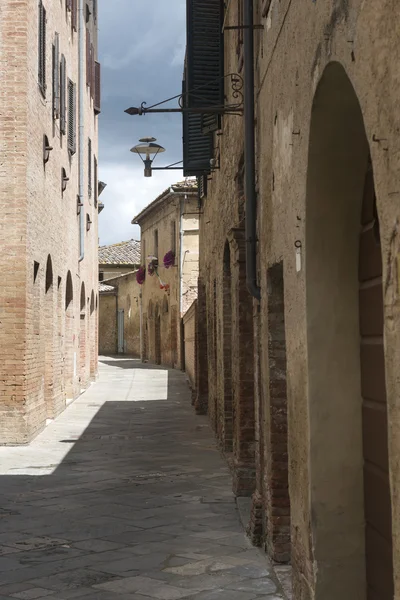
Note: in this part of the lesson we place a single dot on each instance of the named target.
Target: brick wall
(39, 224)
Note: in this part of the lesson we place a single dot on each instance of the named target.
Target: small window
(101, 276)
(89, 168)
(42, 49)
(88, 59)
(71, 117)
(156, 243)
(173, 237)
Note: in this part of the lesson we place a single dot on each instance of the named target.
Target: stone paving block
(147, 587)
(126, 500)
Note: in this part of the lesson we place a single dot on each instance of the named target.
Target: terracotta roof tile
(123, 253)
(106, 288)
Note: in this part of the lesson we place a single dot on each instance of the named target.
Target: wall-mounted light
(147, 148)
(79, 205)
(64, 179)
(88, 222)
(46, 149)
(101, 187)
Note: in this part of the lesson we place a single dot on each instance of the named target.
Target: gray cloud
(141, 49)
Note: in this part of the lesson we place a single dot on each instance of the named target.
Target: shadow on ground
(125, 497)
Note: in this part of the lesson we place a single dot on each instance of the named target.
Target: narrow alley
(125, 496)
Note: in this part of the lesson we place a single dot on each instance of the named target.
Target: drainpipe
(249, 152)
(141, 326)
(181, 262)
(82, 89)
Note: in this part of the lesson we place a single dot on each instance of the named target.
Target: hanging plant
(141, 275)
(169, 259)
(152, 268)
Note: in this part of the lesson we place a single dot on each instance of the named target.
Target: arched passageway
(49, 340)
(69, 339)
(350, 494)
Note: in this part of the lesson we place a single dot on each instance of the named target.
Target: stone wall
(326, 97)
(127, 297)
(108, 342)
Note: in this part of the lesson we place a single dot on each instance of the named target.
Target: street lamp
(147, 148)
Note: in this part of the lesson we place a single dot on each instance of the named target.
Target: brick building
(300, 207)
(49, 102)
(169, 225)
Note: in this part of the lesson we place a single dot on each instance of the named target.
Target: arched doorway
(69, 339)
(157, 336)
(92, 338)
(49, 350)
(228, 413)
(82, 337)
(350, 496)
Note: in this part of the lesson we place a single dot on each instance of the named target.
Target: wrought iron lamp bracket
(197, 94)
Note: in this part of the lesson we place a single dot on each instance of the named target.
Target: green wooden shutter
(205, 52)
(97, 88)
(42, 49)
(63, 91)
(197, 147)
(71, 117)
(56, 77)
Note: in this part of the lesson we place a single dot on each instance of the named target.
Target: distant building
(169, 246)
(49, 102)
(117, 259)
(119, 315)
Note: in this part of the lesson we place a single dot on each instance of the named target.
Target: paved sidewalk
(125, 497)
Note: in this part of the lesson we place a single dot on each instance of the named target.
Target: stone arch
(49, 318)
(92, 337)
(165, 307)
(157, 335)
(83, 353)
(227, 407)
(83, 299)
(349, 564)
(69, 338)
(49, 274)
(69, 291)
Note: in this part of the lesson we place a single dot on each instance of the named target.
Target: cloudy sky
(141, 47)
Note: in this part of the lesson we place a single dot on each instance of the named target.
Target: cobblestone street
(125, 497)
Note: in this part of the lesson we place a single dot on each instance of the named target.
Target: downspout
(249, 152)
(181, 261)
(141, 326)
(82, 88)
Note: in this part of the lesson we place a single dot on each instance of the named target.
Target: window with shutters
(71, 117)
(156, 243)
(42, 49)
(74, 15)
(56, 77)
(63, 93)
(95, 181)
(90, 168)
(88, 59)
(97, 88)
(197, 147)
(205, 53)
(92, 72)
(239, 35)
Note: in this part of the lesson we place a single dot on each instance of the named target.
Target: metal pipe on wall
(249, 152)
(81, 92)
